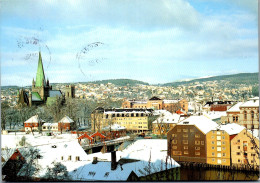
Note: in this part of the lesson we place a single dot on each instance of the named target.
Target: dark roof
(128, 110)
(219, 102)
(155, 98)
(54, 93)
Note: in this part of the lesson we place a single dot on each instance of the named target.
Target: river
(196, 174)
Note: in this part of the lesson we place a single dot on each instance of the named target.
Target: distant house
(164, 122)
(65, 124)
(217, 105)
(33, 123)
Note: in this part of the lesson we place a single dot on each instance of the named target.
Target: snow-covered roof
(168, 118)
(231, 128)
(201, 122)
(34, 119)
(66, 119)
(50, 124)
(170, 101)
(235, 108)
(53, 152)
(214, 114)
(114, 127)
(139, 151)
(251, 103)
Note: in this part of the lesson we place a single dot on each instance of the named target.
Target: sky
(149, 40)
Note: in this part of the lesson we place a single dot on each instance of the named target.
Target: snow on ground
(11, 140)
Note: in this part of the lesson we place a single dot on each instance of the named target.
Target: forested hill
(242, 78)
(120, 82)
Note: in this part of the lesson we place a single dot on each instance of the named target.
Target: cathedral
(42, 92)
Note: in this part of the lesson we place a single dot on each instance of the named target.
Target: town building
(217, 105)
(33, 123)
(157, 104)
(165, 122)
(218, 143)
(187, 139)
(245, 149)
(65, 124)
(244, 113)
(136, 120)
(42, 91)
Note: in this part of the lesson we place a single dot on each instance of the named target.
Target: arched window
(252, 114)
(245, 115)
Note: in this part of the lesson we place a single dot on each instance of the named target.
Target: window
(245, 115)
(238, 147)
(235, 118)
(174, 135)
(252, 161)
(174, 147)
(212, 142)
(178, 130)
(212, 147)
(224, 154)
(197, 153)
(213, 154)
(69, 158)
(186, 152)
(202, 142)
(213, 159)
(223, 137)
(224, 160)
(212, 137)
(218, 137)
(177, 152)
(185, 147)
(197, 136)
(238, 153)
(238, 160)
(185, 130)
(191, 130)
(223, 143)
(61, 157)
(197, 142)
(252, 114)
(218, 133)
(197, 148)
(252, 154)
(185, 135)
(185, 141)
(174, 141)
(238, 140)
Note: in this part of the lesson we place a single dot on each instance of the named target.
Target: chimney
(113, 160)
(94, 160)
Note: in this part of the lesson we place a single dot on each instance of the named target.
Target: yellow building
(136, 120)
(245, 149)
(218, 143)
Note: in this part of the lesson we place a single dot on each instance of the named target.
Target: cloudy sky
(149, 40)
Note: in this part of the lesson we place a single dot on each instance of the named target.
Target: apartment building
(136, 120)
(187, 139)
(218, 143)
(245, 149)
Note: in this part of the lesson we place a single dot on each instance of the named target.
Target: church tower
(40, 85)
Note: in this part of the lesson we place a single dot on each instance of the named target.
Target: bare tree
(57, 173)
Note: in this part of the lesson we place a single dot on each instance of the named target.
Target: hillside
(241, 78)
(120, 82)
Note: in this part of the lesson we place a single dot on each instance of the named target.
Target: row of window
(185, 152)
(218, 143)
(219, 154)
(127, 115)
(49, 127)
(130, 123)
(218, 148)
(186, 135)
(218, 137)
(197, 142)
(186, 147)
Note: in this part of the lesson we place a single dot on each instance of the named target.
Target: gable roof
(235, 108)
(66, 119)
(34, 119)
(155, 98)
(36, 96)
(54, 93)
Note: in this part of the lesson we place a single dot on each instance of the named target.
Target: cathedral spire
(40, 77)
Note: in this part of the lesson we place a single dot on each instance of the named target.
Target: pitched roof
(40, 73)
(201, 122)
(36, 96)
(155, 98)
(54, 93)
(66, 119)
(34, 119)
(251, 103)
(235, 108)
(231, 128)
